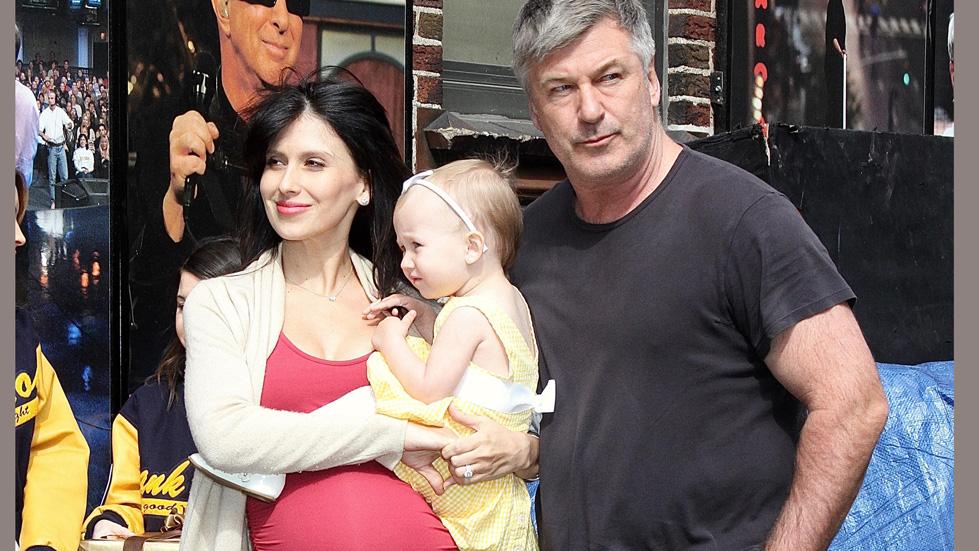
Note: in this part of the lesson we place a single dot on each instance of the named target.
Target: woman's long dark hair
(359, 120)
(213, 257)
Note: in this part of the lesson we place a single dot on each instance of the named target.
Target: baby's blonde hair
(483, 188)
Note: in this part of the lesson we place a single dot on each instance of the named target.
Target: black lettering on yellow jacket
(150, 472)
(51, 453)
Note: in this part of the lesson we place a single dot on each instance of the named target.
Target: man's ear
(533, 114)
(475, 246)
(221, 12)
(654, 87)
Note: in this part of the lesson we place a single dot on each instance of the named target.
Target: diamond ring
(467, 472)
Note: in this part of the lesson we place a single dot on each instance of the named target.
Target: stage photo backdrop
(209, 57)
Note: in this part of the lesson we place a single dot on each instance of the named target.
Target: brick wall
(691, 59)
(426, 72)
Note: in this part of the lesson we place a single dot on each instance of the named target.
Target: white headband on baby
(419, 180)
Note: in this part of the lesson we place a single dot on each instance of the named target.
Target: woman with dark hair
(151, 441)
(83, 158)
(348, 117)
(276, 367)
(275, 351)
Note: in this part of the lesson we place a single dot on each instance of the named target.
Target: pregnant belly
(362, 507)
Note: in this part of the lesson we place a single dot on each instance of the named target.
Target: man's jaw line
(599, 202)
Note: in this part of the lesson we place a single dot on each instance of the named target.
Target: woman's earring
(363, 201)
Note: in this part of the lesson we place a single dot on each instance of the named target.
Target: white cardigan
(232, 324)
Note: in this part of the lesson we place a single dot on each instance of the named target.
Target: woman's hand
(397, 304)
(491, 452)
(391, 329)
(422, 447)
(108, 529)
(422, 462)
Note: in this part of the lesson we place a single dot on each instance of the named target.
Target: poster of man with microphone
(186, 125)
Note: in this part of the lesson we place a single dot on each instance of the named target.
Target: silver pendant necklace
(331, 298)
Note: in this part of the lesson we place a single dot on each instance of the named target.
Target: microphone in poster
(203, 77)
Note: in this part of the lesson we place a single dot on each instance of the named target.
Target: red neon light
(760, 70)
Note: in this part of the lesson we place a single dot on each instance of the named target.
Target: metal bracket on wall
(717, 87)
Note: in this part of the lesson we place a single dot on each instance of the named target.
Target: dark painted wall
(882, 205)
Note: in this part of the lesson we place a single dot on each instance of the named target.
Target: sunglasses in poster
(295, 7)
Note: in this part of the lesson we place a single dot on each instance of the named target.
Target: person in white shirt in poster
(54, 125)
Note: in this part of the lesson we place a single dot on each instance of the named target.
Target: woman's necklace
(331, 298)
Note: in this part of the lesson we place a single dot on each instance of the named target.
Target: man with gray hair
(714, 388)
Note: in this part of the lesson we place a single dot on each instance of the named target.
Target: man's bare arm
(492, 451)
(825, 362)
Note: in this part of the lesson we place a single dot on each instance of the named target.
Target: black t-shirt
(669, 431)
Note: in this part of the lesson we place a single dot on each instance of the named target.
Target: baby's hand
(392, 329)
(397, 305)
(393, 305)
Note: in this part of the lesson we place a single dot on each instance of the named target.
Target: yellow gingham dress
(494, 514)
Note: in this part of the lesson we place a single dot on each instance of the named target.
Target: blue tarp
(905, 502)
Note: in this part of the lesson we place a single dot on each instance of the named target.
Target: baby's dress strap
(504, 326)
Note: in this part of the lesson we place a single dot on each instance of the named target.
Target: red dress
(362, 507)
